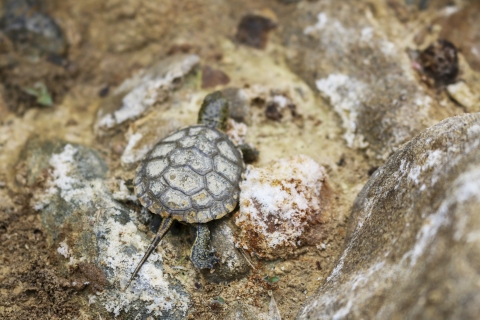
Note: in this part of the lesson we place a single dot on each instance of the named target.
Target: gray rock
(143, 90)
(89, 227)
(413, 240)
(240, 311)
(239, 104)
(32, 31)
(360, 71)
(232, 264)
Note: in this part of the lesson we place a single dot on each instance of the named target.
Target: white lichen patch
(143, 90)
(122, 193)
(346, 95)
(120, 245)
(63, 249)
(150, 285)
(278, 203)
(356, 95)
(60, 180)
(129, 156)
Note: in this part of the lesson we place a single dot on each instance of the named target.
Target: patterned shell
(192, 175)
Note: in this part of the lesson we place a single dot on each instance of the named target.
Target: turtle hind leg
(201, 257)
(166, 224)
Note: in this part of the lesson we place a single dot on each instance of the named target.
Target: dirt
(31, 286)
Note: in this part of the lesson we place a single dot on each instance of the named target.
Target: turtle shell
(192, 175)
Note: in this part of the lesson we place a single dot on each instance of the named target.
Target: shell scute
(192, 175)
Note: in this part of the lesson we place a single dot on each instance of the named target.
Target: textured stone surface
(34, 32)
(91, 228)
(232, 264)
(364, 75)
(413, 240)
(460, 29)
(240, 311)
(279, 204)
(143, 90)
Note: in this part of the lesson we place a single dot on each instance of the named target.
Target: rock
(232, 264)
(253, 30)
(289, 1)
(279, 204)
(32, 31)
(98, 235)
(139, 93)
(412, 244)
(240, 311)
(144, 134)
(460, 28)
(440, 62)
(213, 77)
(461, 93)
(362, 73)
(273, 312)
(239, 104)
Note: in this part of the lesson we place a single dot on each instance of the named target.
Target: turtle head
(214, 111)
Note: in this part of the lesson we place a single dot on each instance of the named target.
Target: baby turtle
(192, 176)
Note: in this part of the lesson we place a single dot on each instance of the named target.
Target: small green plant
(218, 300)
(40, 91)
(271, 280)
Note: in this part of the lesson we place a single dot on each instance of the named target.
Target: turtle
(192, 176)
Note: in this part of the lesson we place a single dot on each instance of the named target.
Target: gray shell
(192, 175)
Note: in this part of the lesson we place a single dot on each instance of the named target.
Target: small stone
(279, 204)
(240, 311)
(440, 62)
(213, 77)
(33, 32)
(232, 264)
(272, 112)
(238, 104)
(461, 93)
(273, 312)
(461, 28)
(140, 92)
(253, 31)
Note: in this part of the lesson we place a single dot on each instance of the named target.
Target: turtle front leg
(201, 257)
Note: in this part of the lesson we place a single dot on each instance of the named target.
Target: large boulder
(413, 241)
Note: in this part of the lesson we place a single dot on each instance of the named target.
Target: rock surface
(232, 264)
(364, 75)
(33, 31)
(92, 229)
(413, 240)
(140, 92)
(279, 204)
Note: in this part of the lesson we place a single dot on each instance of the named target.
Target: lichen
(120, 245)
(278, 203)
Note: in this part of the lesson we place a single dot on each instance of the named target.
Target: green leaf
(219, 299)
(273, 279)
(40, 91)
